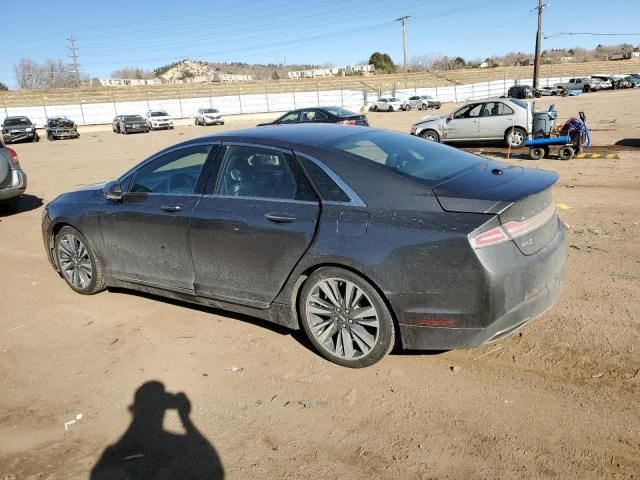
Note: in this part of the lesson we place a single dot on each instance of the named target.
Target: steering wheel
(181, 183)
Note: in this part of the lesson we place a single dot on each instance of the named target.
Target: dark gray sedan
(358, 236)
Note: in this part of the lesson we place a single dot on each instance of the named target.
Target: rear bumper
(528, 290)
(16, 187)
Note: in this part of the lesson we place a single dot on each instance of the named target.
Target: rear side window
(406, 154)
(328, 189)
(249, 171)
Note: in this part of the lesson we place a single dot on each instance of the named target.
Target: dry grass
(374, 83)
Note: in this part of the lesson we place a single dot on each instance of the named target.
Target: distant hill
(194, 68)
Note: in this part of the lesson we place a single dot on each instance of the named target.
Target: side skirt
(276, 313)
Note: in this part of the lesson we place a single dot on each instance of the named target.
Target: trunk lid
(521, 198)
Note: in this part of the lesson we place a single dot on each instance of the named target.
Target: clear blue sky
(113, 34)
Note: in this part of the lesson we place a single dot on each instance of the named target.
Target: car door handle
(171, 208)
(279, 218)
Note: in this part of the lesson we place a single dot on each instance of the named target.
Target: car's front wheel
(345, 318)
(431, 135)
(515, 137)
(78, 264)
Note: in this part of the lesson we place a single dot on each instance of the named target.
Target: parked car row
(394, 104)
(20, 129)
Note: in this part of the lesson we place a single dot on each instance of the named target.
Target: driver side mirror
(450, 117)
(112, 191)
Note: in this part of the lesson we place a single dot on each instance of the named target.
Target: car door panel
(246, 238)
(240, 254)
(147, 243)
(146, 233)
(462, 128)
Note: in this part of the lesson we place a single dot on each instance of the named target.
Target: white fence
(100, 113)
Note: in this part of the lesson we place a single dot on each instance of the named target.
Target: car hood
(431, 119)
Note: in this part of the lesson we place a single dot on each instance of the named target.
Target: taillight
(348, 122)
(490, 237)
(512, 229)
(13, 157)
(517, 229)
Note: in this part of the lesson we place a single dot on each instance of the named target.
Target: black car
(16, 129)
(131, 124)
(523, 91)
(60, 128)
(320, 115)
(355, 235)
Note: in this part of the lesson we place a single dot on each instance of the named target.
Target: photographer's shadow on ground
(147, 451)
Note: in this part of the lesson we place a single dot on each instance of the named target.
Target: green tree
(3, 87)
(382, 62)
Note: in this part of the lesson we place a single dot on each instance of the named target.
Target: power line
(555, 35)
(74, 56)
(403, 19)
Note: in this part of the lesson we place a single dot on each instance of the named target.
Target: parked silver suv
(13, 180)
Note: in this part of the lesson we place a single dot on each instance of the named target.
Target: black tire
(566, 153)
(424, 106)
(96, 283)
(36, 138)
(586, 89)
(515, 137)
(390, 109)
(51, 138)
(430, 135)
(536, 153)
(124, 130)
(375, 108)
(407, 107)
(380, 340)
(437, 107)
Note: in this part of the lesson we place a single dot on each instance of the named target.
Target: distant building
(123, 82)
(484, 65)
(332, 71)
(231, 77)
(625, 56)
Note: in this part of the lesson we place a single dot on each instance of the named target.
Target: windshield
(411, 156)
(339, 112)
(427, 97)
(159, 114)
(394, 99)
(133, 118)
(210, 110)
(17, 122)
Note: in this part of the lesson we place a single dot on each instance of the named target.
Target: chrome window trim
(356, 201)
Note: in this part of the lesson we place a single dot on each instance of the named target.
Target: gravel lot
(559, 400)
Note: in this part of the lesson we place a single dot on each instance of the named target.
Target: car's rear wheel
(345, 318)
(515, 137)
(431, 135)
(78, 264)
(390, 109)
(375, 108)
(424, 106)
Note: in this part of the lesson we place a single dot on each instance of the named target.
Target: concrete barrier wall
(101, 113)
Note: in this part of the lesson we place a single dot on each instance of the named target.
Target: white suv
(209, 116)
(158, 119)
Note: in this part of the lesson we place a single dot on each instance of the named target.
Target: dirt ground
(559, 400)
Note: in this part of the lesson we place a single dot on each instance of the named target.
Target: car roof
(310, 134)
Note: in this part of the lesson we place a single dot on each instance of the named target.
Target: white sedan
(388, 104)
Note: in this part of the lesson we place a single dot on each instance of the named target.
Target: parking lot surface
(558, 400)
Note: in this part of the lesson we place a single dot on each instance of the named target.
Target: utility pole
(74, 57)
(403, 19)
(536, 63)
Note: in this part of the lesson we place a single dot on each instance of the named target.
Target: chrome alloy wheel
(342, 318)
(75, 263)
